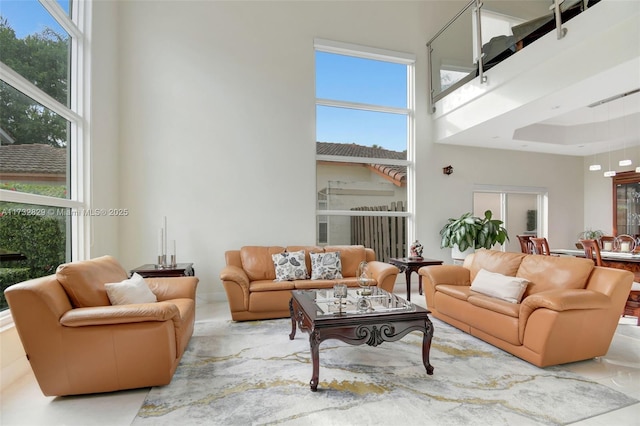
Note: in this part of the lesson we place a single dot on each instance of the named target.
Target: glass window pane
(363, 187)
(34, 45)
(65, 5)
(386, 235)
(356, 187)
(347, 78)
(33, 242)
(34, 154)
(364, 128)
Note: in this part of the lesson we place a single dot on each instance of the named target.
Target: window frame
(77, 114)
(366, 52)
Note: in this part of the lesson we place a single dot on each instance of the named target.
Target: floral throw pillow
(290, 266)
(326, 266)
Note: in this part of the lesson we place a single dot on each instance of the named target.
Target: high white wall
(216, 128)
(104, 152)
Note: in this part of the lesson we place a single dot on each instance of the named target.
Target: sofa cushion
(270, 285)
(494, 304)
(257, 261)
(568, 272)
(84, 281)
(290, 266)
(503, 287)
(326, 266)
(461, 292)
(130, 291)
(350, 257)
(504, 263)
(314, 284)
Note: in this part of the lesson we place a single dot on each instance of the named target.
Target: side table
(151, 270)
(412, 264)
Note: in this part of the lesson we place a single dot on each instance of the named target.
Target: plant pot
(456, 254)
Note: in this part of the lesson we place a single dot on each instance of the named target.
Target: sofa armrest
(236, 285)
(167, 288)
(235, 274)
(566, 299)
(562, 300)
(384, 273)
(434, 275)
(119, 314)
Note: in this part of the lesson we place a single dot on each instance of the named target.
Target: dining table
(629, 261)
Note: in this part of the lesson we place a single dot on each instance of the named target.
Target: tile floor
(22, 404)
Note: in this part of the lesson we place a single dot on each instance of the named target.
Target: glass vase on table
(340, 292)
(365, 281)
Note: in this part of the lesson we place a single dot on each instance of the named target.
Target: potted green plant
(590, 234)
(467, 233)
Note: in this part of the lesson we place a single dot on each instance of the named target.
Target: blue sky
(29, 16)
(346, 78)
(338, 77)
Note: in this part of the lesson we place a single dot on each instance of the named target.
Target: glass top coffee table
(356, 320)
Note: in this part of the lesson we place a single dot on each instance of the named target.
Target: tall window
(41, 129)
(364, 147)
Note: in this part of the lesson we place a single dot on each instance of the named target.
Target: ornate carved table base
(358, 330)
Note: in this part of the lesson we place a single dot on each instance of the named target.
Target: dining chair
(592, 251)
(526, 246)
(624, 239)
(609, 243)
(540, 246)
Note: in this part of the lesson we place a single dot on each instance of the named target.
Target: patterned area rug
(250, 373)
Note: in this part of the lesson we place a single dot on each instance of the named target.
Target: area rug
(250, 373)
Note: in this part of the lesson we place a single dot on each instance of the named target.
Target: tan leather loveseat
(569, 310)
(78, 343)
(253, 293)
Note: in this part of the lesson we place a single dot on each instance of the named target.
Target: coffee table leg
(426, 346)
(315, 359)
(407, 274)
(293, 320)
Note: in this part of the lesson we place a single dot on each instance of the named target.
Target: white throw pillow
(290, 266)
(133, 290)
(326, 266)
(500, 286)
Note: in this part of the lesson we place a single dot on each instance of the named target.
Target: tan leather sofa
(569, 311)
(78, 343)
(253, 293)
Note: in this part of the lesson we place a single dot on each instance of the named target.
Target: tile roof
(353, 150)
(33, 158)
(396, 174)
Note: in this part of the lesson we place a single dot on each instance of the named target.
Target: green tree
(41, 58)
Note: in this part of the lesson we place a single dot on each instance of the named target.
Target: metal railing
(459, 53)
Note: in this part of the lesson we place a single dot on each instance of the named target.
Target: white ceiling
(590, 129)
(564, 123)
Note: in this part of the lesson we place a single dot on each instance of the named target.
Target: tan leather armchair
(78, 343)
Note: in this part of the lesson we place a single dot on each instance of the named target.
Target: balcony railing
(489, 31)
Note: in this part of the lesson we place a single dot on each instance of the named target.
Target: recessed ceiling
(612, 123)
